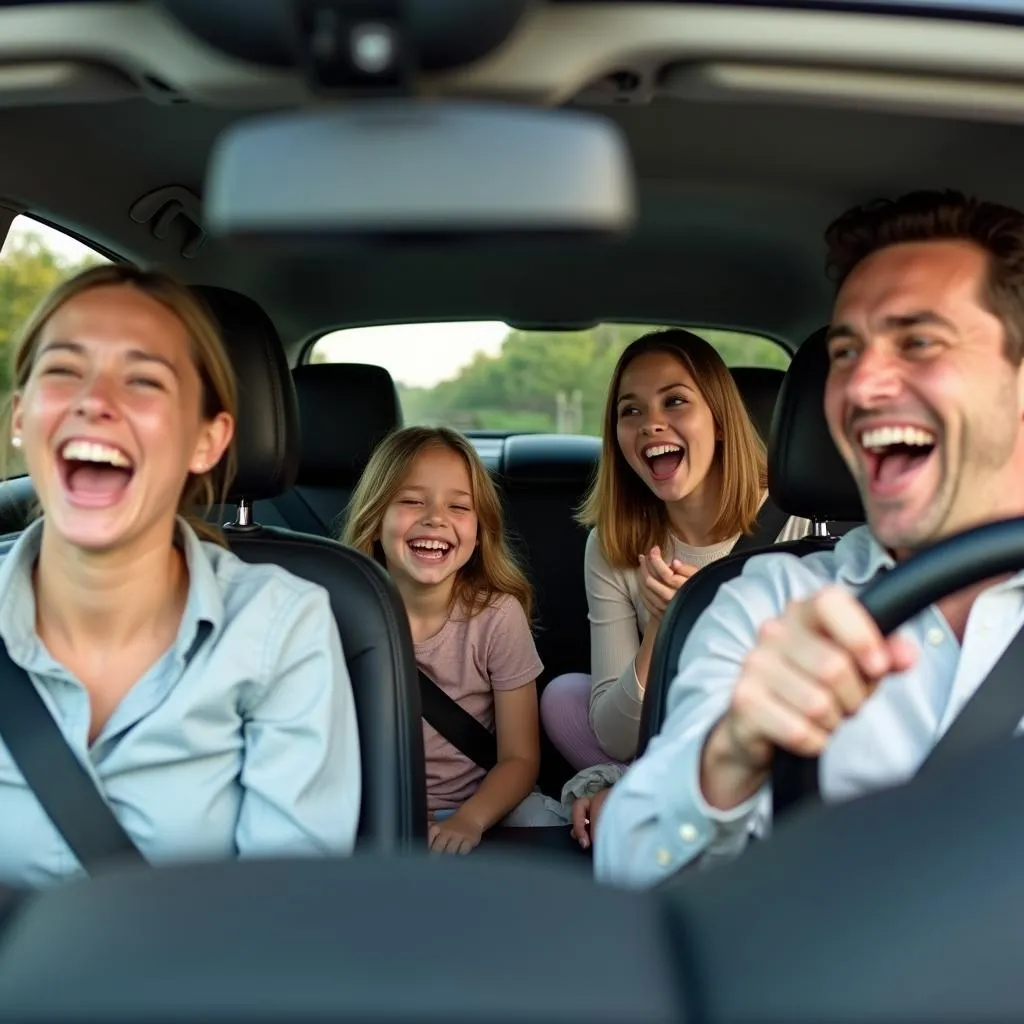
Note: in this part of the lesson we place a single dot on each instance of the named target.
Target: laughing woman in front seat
(681, 478)
(208, 698)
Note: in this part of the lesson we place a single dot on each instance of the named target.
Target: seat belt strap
(992, 714)
(58, 780)
(767, 527)
(457, 725)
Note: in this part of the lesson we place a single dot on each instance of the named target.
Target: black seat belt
(470, 736)
(64, 789)
(767, 527)
(991, 714)
(457, 725)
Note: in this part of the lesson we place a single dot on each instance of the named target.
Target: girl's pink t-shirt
(470, 658)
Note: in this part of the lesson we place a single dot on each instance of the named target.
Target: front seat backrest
(806, 477)
(371, 618)
(345, 411)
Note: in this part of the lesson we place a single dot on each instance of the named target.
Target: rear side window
(34, 259)
(486, 376)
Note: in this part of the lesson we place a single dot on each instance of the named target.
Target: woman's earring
(15, 441)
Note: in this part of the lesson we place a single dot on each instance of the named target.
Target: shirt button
(663, 857)
(688, 833)
(935, 636)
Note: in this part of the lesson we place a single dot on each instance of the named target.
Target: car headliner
(734, 193)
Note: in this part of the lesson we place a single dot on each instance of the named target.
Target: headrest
(267, 431)
(759, 388)
(551, 458)
(806, 474)
(345, 410)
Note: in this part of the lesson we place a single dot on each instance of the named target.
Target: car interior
(704, 148)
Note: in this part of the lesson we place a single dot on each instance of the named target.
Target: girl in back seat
(681, 478)
(426, 509)
(208, 698)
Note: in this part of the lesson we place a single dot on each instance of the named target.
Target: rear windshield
(487, 376)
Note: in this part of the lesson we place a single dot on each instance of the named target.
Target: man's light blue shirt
(656, 820)
(240, 740)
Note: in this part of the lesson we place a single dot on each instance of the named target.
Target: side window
(486, 376)
(34, 259)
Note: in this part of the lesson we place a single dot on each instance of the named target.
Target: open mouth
(895, 455)
(663, 459)
(429, 549)
(95, 474)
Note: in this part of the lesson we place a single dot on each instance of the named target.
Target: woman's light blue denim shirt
(239, 741)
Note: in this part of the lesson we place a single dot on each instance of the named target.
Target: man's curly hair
(933, 216)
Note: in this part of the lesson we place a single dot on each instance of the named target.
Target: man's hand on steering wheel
(813, 667)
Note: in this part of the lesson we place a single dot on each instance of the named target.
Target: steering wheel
(894, 597)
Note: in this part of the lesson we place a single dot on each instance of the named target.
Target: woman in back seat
(682, 476)
(208, 698)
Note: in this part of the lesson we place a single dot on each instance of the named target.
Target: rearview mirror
(398, 168)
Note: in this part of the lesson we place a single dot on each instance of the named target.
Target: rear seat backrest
(345, 410)
(545, 478)
(759, 388)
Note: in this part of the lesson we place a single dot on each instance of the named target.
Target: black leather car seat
(345, 411)
(371, 618)
(806, 477)
(759, 388)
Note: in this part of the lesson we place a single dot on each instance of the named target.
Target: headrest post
(243, 522)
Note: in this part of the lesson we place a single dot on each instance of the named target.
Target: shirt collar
(17, 597)
(861, 558)
(204, 606)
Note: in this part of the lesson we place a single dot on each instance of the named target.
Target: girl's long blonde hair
(629, 518)
(492, 570)
(216, 376)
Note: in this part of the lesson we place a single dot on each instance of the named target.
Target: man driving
(925, 402)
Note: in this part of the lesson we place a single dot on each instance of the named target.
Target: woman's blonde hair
(492, 569)
(217, 378)
(630, 519)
